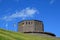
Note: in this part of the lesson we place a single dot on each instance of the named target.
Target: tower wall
(30, 26)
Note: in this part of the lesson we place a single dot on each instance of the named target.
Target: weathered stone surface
(34, 27)
(30, 26)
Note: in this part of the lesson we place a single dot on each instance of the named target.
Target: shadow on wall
(47, 33)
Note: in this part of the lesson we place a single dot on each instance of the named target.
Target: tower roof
(30, 20)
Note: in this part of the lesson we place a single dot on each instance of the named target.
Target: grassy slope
(8, 35)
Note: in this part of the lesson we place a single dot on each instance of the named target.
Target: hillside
(8, 35)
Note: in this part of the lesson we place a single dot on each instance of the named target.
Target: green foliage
(8, 35)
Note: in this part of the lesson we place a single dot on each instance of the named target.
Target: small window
(29, 22)
(22, 23)
(26, 22)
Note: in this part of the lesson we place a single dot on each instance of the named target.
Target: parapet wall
(42, 34)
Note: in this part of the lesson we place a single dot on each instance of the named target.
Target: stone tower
(30, 26)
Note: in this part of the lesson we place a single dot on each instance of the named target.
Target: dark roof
(30, 20)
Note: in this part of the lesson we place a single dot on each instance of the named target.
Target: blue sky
(13, 11)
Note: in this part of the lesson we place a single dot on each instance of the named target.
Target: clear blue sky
(13, 11)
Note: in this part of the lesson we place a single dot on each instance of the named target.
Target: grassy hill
(8, 35)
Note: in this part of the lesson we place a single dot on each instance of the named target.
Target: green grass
(8, 35)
